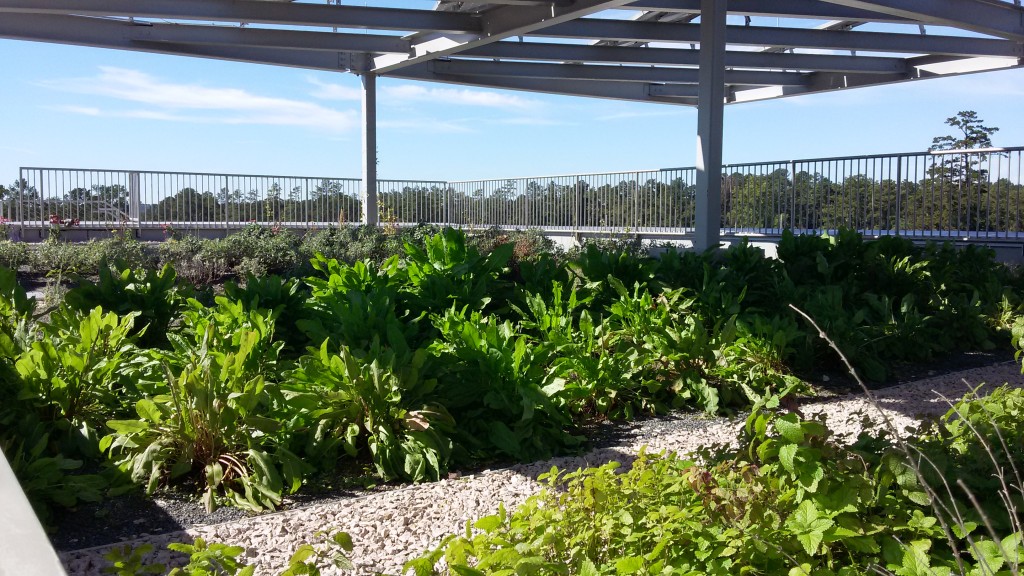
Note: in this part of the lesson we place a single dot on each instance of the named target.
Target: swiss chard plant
(286, 298)
(153, 295)
(86, 369)
(219, 421)
(353, 305)
(379, 401)
(448, 272)
(493, 381)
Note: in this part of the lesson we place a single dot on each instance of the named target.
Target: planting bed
(460, 369)
(135, 515)
(391, 527)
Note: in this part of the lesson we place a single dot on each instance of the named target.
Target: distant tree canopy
(945, 190)
(973, 134)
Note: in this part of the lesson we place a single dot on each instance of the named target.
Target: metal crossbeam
(606, 57)
(630, 91)
(104, 33)
(993, 18)
(685, 57)
(810, 9)
(269, 38)
(590, 28)
(477, 68)
(255, 12)
(496, 24)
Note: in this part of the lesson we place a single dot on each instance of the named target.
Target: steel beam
(608, 73)
(827, 81)
(269, 38)
(629, 91)
(591, 28)
(992, 18)
(710, 120)
(496, 24)
(104, 33)
(541, 51)
(811, 9)
(255, 12)
(370, 210)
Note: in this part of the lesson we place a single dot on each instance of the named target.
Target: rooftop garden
(246, 369)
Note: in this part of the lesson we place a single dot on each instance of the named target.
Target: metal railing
(196, 200)
(413, 201)
(643, 201)
(942, 193)
(975, 193)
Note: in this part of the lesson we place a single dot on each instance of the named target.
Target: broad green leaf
(787, 454)
(788, 426)
(343, 539)
(148, 410)
(629, 565)
(987, 554)
(488, 523)
(127, 426)
(302, 553)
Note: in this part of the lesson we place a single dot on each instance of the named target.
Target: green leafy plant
(127, 560)
(493, 383)
(48, 481)
(447, 272)
(975, 447)
(308, 558)
(215, 422)
(13, 255)
(380, 400)
(286, 298)
(216, 559)
(152, 295)
(790, 500)
(213, 559)
(353, 305)
(86, 369)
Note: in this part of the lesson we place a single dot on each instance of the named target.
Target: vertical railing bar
(899, 194)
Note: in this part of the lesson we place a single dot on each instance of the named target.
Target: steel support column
(370, 214)
(710, 114)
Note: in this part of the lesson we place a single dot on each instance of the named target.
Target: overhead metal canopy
(643, 50)
(687, 52)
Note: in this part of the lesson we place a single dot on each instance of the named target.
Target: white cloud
(531, 121)
(407, 93)
(81, 110)
(330, 91)
(426, 125)
(460, 96)
(166, 101)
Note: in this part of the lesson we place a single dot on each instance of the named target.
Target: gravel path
(390, 527)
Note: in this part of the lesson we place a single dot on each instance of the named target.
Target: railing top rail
(214, 174)
(578, 175)
(569, 175)
(877, 156)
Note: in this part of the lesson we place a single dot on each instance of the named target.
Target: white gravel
(391, 527)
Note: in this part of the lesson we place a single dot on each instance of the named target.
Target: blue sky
(74, 107)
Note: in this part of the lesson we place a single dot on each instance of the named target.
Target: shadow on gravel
(840, 382)
(130, 516)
